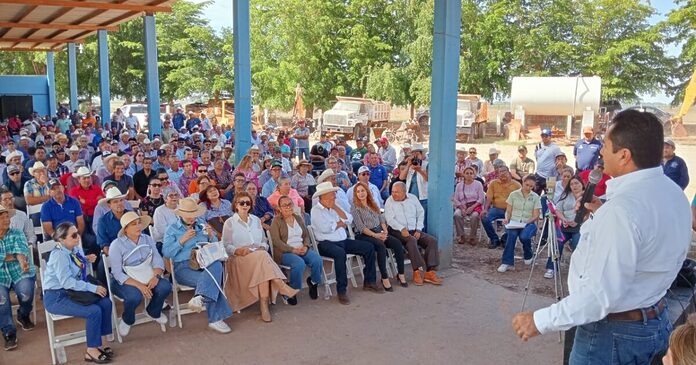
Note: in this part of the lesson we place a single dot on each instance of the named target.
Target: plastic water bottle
(172, 317)
(61, 355)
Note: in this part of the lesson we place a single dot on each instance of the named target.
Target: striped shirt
(33, 188)
(14, 243)
(364, 217)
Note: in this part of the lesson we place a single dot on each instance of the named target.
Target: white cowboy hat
(38, 165)
(108, 157)
(111, 194)
(324, 188)
(82, 172)
(417, 147)
(406, 146)
(146, 141)
(217, 149)
(129, 217)
(74, 148)
(493, 151)
(14, 154)
(325, 175)
(188, 208)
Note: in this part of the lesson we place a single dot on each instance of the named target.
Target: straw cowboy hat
(38, 165)
(325, 175)
(15, 154)
(417, 147)
(111, 194)
(324, 188)
(130, 217)
(188, 208)
(82, 172)
(304, 162)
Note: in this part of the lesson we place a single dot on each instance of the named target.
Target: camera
(416, 161)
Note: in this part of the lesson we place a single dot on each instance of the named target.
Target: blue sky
(219, 13)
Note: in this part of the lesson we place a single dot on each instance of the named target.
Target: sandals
(102, 359)
(108, 352)
(402, 283)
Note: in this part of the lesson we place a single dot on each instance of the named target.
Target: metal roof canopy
(48, 25)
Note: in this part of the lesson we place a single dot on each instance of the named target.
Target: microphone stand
(552, 225)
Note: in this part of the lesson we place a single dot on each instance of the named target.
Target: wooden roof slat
(93, 5)
(26, 49)
(40, 40)
(89, 27)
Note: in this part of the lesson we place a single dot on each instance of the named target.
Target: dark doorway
(16, 105)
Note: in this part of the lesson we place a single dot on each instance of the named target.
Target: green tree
(680, 28)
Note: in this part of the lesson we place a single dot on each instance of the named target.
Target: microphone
(594, 178)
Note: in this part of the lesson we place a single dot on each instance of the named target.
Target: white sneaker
(162, 319)
(196, 304)
(505, 267)
(549, 274)
(220, 326)
(123, 328)
(529, 262)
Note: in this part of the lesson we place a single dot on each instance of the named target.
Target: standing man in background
(545, 154)
(630, 251)
(586, 150)
(673, 165)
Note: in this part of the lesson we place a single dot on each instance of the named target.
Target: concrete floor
(466, 321)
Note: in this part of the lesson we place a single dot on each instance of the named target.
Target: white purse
(209, 252)
(142, 272)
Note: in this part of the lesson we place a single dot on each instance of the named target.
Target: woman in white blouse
(164, 216)
(253, 274)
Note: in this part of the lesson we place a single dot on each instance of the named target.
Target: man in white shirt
(341, 197)
(629, 253)
(330, 224)
(545, 153)
(405, 215)
(388, 154)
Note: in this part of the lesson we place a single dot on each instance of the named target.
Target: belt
(638, 314)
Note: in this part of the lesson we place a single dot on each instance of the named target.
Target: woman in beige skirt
(253, 275)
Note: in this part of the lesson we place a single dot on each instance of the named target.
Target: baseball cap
(546, 132)
(12, 168)
(161, 153)
(522, 148)
(363, 169)
(670, 142)
(52, 156)
(53, 182)
(560, 153)
(276, 163)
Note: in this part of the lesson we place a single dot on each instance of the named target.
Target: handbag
(85, 297)
(206, 253)
(217, 223)
(142, 272)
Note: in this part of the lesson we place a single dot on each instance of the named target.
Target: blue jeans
(620, 342)
(525, 236)
(132, 297)
(297, 265)
(338, 251)
(573, 237)
(303, 153)
(493, 214)
(216, 304)
(24, 289)
(98, 315)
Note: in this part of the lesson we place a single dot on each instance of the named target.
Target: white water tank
(556, 95)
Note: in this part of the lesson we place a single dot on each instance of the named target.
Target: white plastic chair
(282, 267)
(140, 318)
(56, 342)
(330, 277)
(38, 230)
(180, 309)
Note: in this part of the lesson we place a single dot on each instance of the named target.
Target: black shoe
(313, 289)
(494, 244)
(10, 342)
(373, 287)
(293, 300)
(25, 323)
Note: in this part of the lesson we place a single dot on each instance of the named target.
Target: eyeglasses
(202, 171)
(164, 179)
(74, 235)
(286, 205)
(365, 174)
(156, 185)
(244, 203)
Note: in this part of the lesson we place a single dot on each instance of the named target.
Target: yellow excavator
(677, 124)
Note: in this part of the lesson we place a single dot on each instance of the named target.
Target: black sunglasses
(164, 179)
(156, 185)
(365, 174)
(244, 203)
(203, 171)
(14, 173)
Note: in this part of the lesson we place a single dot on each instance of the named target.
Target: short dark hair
(642, 134)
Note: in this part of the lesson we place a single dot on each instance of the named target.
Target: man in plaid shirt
(16, 272)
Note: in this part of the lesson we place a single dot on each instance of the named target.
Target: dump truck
(355, 117)
(472, 114)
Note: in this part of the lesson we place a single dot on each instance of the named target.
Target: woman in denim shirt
(67, 270)
(180, 238)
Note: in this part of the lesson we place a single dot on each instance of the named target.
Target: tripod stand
(553, 252)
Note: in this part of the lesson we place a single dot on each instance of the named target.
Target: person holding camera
(416, 177)
(179, 240)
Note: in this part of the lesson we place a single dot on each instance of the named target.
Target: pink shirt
(468, 193)
(296, 198)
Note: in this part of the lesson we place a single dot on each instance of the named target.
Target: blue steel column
(51, 76)
(152, 76)
(242, 78)
(72, 75)
(443, 111)
(104, 78)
